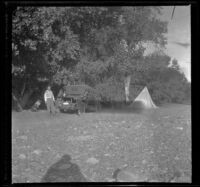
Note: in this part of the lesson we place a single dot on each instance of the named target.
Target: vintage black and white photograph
(101, 94)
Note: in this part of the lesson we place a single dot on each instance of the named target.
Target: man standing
(49, 100)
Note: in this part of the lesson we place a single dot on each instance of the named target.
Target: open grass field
(154, 145)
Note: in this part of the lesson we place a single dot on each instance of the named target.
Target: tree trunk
(23, 89)
(19, 107)
(128, 77)
(127, 87)
(26, 97)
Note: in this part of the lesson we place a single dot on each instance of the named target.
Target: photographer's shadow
(64, 171)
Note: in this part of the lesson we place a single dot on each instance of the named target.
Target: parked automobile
(77, 98)
(68, 104)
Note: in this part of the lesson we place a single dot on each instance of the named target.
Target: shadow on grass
(132, 107)
(114, 107)
(64, 171)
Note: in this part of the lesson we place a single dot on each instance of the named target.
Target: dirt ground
(155, 145)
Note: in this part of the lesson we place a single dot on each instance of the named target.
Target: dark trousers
(50, 105)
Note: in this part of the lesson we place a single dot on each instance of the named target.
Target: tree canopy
(97, 46)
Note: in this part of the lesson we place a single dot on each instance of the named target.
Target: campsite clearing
(154, 145)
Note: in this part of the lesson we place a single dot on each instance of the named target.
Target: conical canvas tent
(145, 98)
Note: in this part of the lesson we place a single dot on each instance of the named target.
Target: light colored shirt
(48, 94)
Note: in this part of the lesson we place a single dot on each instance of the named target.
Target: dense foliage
(98, 46)
(166, 82)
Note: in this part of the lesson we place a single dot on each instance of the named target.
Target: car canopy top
(79, 92)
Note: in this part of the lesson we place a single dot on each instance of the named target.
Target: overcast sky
(179, 36)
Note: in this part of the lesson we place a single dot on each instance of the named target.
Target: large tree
(113, 41)
(139, 25)
(41, 43)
